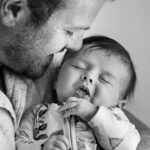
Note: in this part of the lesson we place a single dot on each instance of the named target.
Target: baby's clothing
(112, 129)
(44, 121)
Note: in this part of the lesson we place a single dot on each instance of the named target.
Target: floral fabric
(44, 121)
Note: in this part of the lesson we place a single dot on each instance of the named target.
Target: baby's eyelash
(103, 80)
(78, 67)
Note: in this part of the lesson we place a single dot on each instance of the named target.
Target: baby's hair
(110, 47)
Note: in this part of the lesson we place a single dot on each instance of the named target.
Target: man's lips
(82, 91)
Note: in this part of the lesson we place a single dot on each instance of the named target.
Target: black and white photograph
(74, 75)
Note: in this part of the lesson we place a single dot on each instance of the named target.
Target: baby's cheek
(96, 99)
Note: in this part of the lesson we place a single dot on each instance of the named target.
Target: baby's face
(93, 75)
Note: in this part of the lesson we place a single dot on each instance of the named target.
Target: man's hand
(56, 142)
(79, 107)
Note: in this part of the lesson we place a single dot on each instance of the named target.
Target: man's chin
(32, 72)
(29, 73)
(35, 73)
(38, 70)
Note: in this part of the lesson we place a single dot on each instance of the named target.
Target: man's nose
(75, 42)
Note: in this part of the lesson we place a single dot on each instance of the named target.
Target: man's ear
(122, 103)
(13, 12)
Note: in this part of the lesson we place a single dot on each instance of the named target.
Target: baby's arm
(113, 130)
(25, 133)
(79, 107)
(33, 134)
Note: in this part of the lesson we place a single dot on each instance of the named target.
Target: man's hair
(41, 10)
(110, 47)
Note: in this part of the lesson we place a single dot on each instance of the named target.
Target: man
(31, 32)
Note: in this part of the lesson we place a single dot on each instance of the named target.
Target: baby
(91, 87)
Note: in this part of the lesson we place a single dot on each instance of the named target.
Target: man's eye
(70, 33)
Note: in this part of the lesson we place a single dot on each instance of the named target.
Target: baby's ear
(122, 103)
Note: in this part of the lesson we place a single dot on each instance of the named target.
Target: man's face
(95, 76)
(30, 51)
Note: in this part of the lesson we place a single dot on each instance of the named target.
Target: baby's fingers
(70, 111)
(71, 103)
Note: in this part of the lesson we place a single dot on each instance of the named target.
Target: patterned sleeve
(113, 130)
(27, 135)
(7, 123)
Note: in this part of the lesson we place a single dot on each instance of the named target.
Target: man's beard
(22, 56)
(25, 64)
(37, 69)
(31, 71)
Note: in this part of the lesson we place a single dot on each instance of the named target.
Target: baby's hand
(56, 142)
(79, 107)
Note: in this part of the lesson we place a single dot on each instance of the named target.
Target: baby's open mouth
(82, 91)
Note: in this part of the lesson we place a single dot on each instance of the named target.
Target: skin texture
(104, 77)
(57, 142)
(28, 50)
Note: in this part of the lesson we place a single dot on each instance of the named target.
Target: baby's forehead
(92, 48)
(105, 51)
(89, 48)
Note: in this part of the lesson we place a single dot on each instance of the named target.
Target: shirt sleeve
(27, 134)
(113, 130)
(7, 123)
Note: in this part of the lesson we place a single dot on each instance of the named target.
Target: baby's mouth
(82, 92)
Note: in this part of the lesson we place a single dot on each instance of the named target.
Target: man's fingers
(60, 145)
(57, 142)
(64, 140)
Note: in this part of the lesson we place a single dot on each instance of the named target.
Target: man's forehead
(84, 5)
(81, 13)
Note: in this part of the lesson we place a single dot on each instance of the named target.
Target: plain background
(128, 22)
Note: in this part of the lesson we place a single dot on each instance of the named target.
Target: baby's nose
(86, 78)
